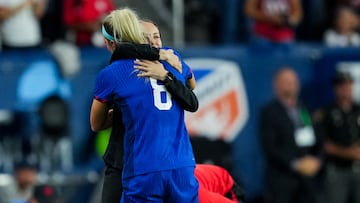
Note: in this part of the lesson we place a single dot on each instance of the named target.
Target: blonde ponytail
(124, 26)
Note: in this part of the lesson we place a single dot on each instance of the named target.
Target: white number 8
(157, 90)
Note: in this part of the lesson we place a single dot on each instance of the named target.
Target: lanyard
(305, 117)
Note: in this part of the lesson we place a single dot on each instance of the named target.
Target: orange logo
(223, 107)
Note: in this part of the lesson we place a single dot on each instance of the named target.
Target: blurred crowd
(310, 157)
(33, 23)
(332, 22)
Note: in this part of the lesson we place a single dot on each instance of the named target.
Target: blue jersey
(155, 134)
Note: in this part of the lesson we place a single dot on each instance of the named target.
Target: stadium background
(314, 63)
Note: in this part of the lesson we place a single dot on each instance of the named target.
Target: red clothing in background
(88, 11)
(272, 32)
(214, 183)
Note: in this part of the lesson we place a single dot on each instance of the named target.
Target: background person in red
(84, 18)
(216, 185)
(274, 21)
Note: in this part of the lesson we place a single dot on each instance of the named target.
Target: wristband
(169, 77)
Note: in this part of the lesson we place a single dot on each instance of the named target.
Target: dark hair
(339, 10)
(24, 164)
(344, 8)
(282, 69)
(342, 78)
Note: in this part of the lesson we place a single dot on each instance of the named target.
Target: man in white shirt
(20, 27)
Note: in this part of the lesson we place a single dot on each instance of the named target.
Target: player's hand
(152, 69)
(169, 56)
(174, 61)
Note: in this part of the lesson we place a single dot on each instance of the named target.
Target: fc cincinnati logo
(223, 108)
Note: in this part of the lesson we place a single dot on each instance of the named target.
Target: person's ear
(113, 43)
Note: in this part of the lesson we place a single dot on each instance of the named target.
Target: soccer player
(215, 183)
(113, 156)
(158, 158)
(153, 37)
(112, 186)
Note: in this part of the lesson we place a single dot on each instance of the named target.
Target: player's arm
(169, 56)
(100, 116)
(186, 98)
(190, 80)
(138, 51)
(145, 51)
(182, 94)
(175, 61)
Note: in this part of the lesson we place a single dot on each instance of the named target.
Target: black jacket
(341, 128)
(283, 184)
(277, 135)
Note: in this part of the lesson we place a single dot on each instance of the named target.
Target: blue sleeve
(187, 70)
(104, 86)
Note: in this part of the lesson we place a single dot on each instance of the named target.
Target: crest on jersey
(223, 108)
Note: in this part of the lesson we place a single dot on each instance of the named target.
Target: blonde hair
(124, 26)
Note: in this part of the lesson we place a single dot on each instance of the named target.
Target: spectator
(353, 3)
(341, 129)
(20, 27)
(21, 187)
(332, 5)
(84, 18)
(52, 24)
(274, 21)
(201, 21)
(290, 143)
(344, 32)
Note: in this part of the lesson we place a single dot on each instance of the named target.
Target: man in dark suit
(290, 144)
